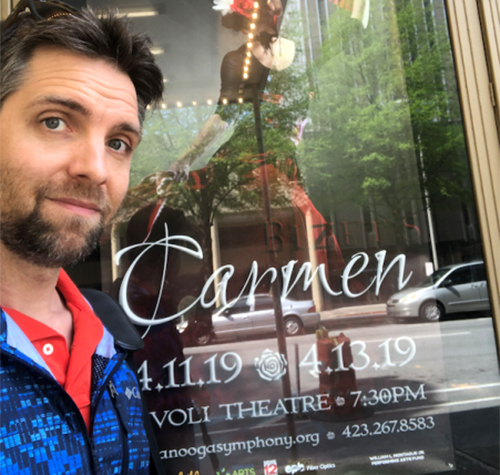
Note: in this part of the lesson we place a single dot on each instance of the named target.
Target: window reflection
(319, 166)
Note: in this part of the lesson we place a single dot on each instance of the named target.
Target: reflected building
(347, 149)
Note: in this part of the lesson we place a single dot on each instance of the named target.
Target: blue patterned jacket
(41, 429)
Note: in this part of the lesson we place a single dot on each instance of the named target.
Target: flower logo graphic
(271, 365)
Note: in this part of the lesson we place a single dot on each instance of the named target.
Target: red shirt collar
(72, 369)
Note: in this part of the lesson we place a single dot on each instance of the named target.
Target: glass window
(459, 276)
(312, 152)
(264, 303)
(239, 306)
(479, 273)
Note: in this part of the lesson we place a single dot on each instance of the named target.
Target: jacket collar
(15, 342)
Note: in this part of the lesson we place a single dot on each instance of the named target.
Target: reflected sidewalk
(353, 312)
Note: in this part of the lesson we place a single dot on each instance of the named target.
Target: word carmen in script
(223, 274)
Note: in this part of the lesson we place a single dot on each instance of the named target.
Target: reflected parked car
(241, 319)
(451, 289)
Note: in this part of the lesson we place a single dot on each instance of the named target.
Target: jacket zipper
(107, 382)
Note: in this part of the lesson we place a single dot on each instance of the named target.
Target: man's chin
(62, 253)
(44, 245)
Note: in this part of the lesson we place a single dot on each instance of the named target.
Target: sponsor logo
(243, 470)
(307, 465)
(327, 466)
(292, 469)
(237, 470)
(270, 467)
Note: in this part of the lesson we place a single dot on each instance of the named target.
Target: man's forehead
(54, 69)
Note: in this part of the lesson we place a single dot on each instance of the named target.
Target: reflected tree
(166, 134)
(384, 112)
(231, 180)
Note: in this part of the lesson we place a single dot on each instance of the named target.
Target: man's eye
(118, 145)
(54, 123)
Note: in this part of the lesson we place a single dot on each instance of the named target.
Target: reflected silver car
(451, 289)
(243, 320)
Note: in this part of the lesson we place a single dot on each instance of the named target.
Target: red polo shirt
(72, 369)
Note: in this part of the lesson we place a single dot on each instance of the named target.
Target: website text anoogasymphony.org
(247, 445)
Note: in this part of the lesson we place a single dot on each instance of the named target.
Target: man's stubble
(44, 243)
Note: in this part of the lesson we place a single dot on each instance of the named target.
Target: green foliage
(231, 179)
(385, 105)
(384, 121)
(166, 134)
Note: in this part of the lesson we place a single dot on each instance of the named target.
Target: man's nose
(89, 161)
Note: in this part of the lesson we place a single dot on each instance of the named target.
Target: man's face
(67, 136)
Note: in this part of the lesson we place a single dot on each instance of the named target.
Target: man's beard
(50, 245)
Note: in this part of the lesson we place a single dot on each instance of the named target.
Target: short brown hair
(100, 36)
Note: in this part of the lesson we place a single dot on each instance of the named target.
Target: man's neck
(31, 290)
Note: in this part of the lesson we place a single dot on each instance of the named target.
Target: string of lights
(246, 63)
(248, 53)
(180, 104)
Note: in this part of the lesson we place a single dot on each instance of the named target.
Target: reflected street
(405, 373)
(466, 347)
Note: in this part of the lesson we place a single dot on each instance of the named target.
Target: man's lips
(83, 207)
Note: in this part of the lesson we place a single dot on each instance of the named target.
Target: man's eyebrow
(62, 101)
(77, 107)
(127, 127)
